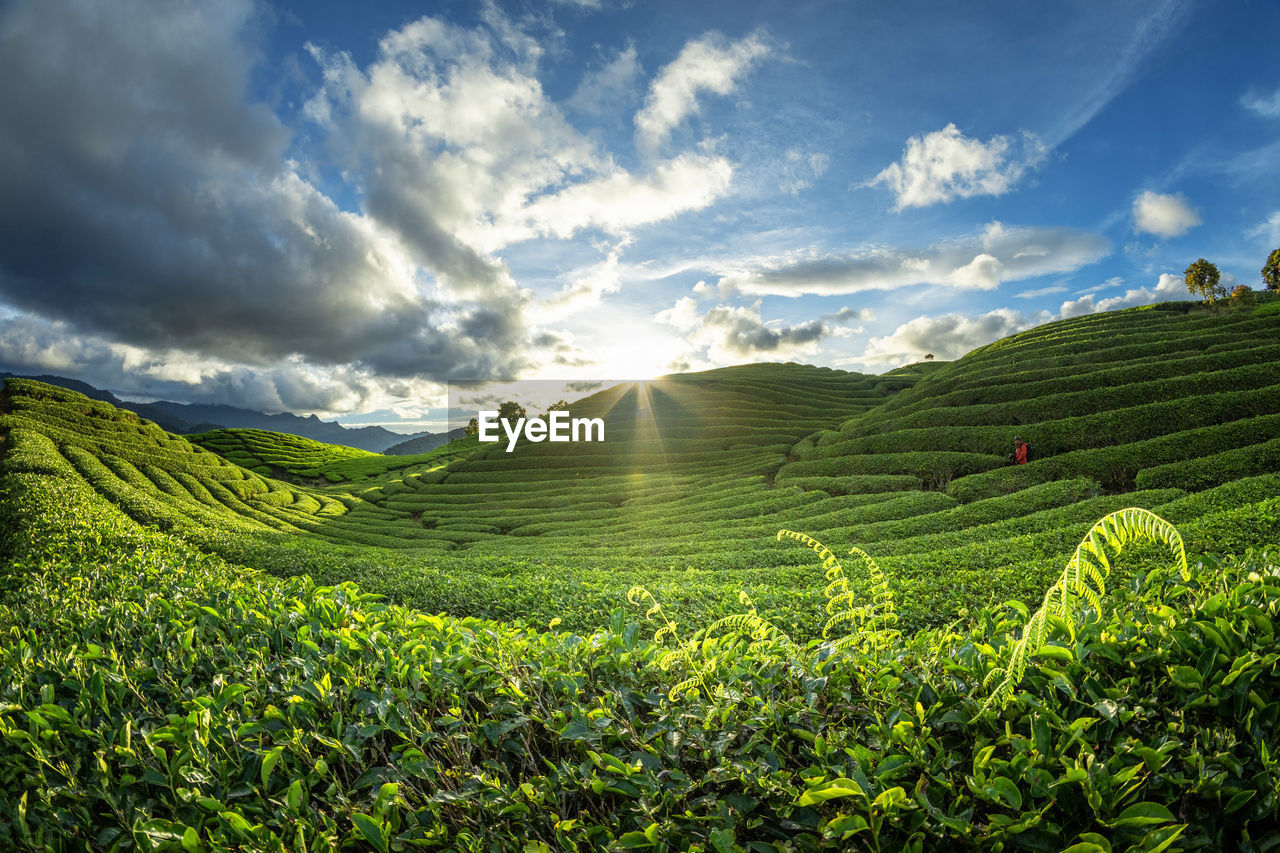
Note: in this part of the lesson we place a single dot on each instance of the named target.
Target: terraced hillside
(292, 457)
(1169, 409)
(159, 691)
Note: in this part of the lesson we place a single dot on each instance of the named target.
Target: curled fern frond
(829, 561)
(848, 615)
(838, 588)
(764, 637)
(1084, 580)
(689, 685)
(669, 659)
(682, 653)
(871, 625)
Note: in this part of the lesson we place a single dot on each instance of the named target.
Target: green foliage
(1243, 297)
(1214, 469)
(1271, 270)
(511, 411)
(290, 454)
(1202, 279)
(1117, 467)
(156, 692)
(870, 626)
(1084, 580)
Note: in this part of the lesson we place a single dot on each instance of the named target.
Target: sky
(339, 208)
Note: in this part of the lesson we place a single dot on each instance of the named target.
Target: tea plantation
(246, 640)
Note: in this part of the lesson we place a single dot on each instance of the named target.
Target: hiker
(1021, 454)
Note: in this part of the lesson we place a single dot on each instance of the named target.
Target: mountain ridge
(191, 418)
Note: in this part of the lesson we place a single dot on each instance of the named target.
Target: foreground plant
(872, 626)
(1084, 580)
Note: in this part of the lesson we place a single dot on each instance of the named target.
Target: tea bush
(389, 652)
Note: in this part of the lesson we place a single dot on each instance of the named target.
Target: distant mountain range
(187, 418)
(425, 442)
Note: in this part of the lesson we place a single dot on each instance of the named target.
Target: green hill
(160, 688)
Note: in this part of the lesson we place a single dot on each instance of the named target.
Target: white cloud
(799, 170)
(602, 89)
(587, 286)
(448, 134)
(948, 337)
(981, 273)
(980, 262)
(713, 64)
(449, 141)
(732, 334)
(683, 315)
(1041, 291)
(1117, 58)
(1114, 281)
(1269, 229)
(1163, 215)
(1267, 106)
(1167, 287)
(619, 201)
(945, 165)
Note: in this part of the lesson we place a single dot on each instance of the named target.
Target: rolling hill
(189, 663)
(189, 418)
(425, 443)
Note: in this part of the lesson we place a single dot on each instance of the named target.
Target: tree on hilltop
(511, 411)
(473, 428)
(1271, 270)
(1242, 296)
(558, 406)
(1202, 278)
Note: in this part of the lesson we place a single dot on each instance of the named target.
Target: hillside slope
(1159, 397)
(156, 695)
(425, 443)
(699, 471)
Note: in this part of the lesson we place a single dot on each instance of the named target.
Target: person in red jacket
(1021, 452)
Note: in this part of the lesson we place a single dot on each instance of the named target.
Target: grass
(188, 662)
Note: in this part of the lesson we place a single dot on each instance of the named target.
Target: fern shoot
(763, 635)
(638, 595)
(1084, 579)
(872, 626)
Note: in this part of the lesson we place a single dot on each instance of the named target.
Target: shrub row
(1049, 437)
(1116, 467)
(933, 470)
(1214, 469)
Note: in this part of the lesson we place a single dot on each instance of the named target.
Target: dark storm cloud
(145, 199)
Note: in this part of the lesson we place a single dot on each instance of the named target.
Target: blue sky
(337, 208)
